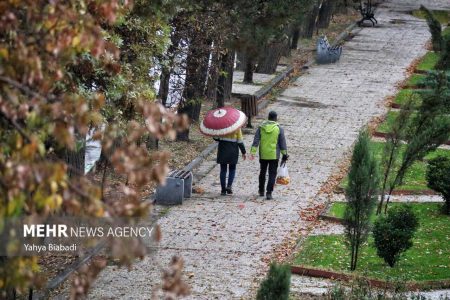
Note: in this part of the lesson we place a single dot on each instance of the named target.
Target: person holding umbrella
(224, 125)
(270, 139)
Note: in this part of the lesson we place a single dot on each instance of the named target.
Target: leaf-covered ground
(428, 259)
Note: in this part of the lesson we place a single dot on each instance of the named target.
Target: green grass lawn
(428, 61)
(418, 80)
(386, 126)
(443, 16)
(405, 95)
(415, 79)
(428, 259)
(415, 177)
(337, 210)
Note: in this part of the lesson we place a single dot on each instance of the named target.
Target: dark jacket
(229, 146)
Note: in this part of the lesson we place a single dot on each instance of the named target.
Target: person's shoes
(261, 193)
(223, 193)
(269, 196)
(229, 190)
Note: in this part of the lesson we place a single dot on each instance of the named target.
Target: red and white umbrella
(222, 121)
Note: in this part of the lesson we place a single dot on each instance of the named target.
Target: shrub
(277, 283)
(438, 178)
(393, 233)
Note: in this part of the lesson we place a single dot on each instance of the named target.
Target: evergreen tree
(423, 133)
(444, 60)
(435, 29)
(391, 151)
(277, 283)
(361, 195)
(438, 178)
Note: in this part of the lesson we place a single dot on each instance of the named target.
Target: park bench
(367, 11)
(178, 186)
(326, 53)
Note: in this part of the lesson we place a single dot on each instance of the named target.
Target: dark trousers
(272, 165)
(223, 175)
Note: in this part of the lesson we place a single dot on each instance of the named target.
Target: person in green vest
(270, 139)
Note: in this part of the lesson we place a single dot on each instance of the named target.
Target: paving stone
(240, 88)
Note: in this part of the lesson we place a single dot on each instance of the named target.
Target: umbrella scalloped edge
(221, 132)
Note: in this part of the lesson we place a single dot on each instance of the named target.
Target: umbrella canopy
(222, 121)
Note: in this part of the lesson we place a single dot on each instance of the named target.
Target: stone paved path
(223, 239)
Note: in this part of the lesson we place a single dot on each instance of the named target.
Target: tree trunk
(164, 85)
(213, 73)
(105, 155)
(167, 70)
(151, 143)
(195, 83)
(355, 259)
(286, 47)
(225, 80)
(75, 159)
(295, 38)
(352, 260)
(268, 62)
(325, 13)
(6, 293)
(248, 73)
(229, 69)
(191, 109)
(183, 135)
(241, 61)
(310, 24)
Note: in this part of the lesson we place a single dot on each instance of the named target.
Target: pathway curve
(224, 240)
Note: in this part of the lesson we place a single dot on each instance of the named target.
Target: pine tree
(423, 133)
(361, 195)
(444, 61)
(438, 178)
(435, 29)
(277, 283)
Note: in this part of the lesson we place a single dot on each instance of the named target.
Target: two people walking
(270, 140)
